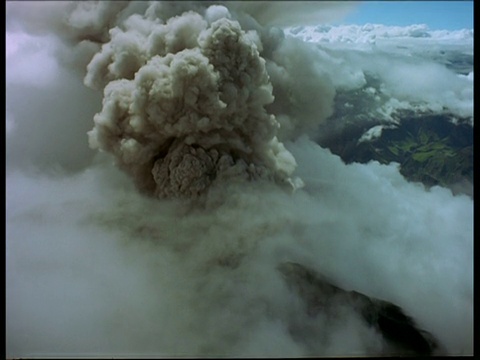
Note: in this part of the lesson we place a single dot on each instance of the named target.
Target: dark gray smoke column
(184, 104)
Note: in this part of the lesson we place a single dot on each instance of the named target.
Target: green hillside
(429, 148)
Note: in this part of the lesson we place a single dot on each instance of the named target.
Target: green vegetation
(429, 148)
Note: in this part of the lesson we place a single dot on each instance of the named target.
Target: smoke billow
(187, 98)
(185, 101)
(207, 100)
(184, 105)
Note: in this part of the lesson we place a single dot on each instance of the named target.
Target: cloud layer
(414, 67)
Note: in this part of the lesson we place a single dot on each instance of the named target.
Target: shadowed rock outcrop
(400, 332)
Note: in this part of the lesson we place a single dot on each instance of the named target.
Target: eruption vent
(184, 104)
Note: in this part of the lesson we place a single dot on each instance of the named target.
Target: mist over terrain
(235, 179)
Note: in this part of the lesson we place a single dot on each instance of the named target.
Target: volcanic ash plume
(184, 104)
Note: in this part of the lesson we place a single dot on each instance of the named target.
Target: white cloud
(372, 133)
(138, 275)
(412, 69)
(370, 33)
(49, 110)
(29, 60)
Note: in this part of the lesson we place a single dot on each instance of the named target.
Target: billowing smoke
(185, 99)
(140, 108)
(184, 104)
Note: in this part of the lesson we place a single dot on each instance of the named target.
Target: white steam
(195, 98)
